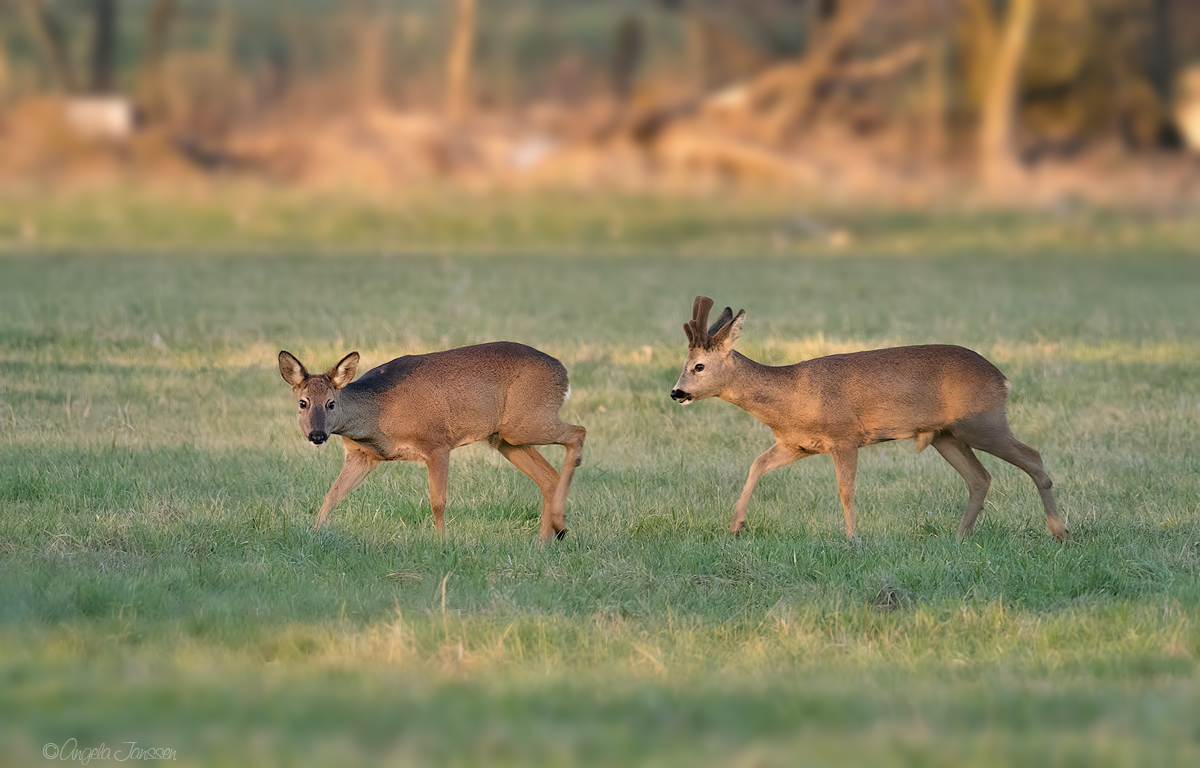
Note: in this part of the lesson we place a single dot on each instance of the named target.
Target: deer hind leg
(1003, 445)
(960, 456)
(778, 455)
(550, 431)
(845, 464)
(572, 438)
(527, 459)
(356, 466)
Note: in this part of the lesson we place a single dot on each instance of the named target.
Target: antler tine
(700, 309)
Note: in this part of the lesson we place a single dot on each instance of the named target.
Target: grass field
(160, 584)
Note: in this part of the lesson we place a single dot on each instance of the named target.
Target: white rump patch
(567, 394)
(1008, 385)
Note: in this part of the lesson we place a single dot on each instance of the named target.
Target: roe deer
(945, 396)
(419, 407)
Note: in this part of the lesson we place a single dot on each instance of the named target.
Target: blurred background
(188, 186)
(908, 100)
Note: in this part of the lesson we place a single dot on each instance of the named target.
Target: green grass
(159, 581)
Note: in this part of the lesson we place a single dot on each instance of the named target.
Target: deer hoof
(560, 535)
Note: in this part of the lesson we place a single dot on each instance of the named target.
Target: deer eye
(699, 367)
(303, 404)
(329, 405)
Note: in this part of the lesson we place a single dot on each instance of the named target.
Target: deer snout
(316, 438)
(680, 396)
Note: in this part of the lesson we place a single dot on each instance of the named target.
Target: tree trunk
(934, 100)
(977, 37)
(997, 120)
(3, 70)
(374, 30)
(626, 57)
(458, 69)
(1162, 61)
(104, 45)
(159, 24)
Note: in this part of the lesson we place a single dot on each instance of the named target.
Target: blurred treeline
(389, 90)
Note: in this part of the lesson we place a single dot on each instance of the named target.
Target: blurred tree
(104, 45)
(786, 97)
(150, 87)
(997, 121)
(46, 31)
(3, 68)
(458, 68)
(627, 55)
(373, 32)
(1092, 70)
(1162, 50)
(628, 39)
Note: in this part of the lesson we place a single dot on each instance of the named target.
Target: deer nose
(316, 438)
(678, 394)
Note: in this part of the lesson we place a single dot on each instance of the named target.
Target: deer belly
(812, 444)
(392, 450)
(402, 452)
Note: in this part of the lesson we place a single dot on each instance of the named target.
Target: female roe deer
(419, 407)
(942, 395)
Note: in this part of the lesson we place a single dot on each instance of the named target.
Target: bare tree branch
(47, 36)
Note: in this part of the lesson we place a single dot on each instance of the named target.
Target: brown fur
(940, 395)
(420, 407)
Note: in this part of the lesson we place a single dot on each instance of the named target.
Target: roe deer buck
(419, 407)
(942, 395)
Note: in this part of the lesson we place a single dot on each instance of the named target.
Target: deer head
(709, 364)
(317, 396)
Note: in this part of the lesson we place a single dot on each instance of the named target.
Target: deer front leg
(845, 463)
(355, 468)
(778, 455)
(438, 463)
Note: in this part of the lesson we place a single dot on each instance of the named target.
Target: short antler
(698, 331)
(697, 328)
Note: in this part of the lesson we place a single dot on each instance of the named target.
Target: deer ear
(725, 317)
(729, 333)
(735, 327)
(291, 369)
(343, 373)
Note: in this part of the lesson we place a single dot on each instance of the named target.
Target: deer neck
(357, 416)
(763, 391)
